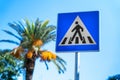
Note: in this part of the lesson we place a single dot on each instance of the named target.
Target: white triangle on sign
(77, 34)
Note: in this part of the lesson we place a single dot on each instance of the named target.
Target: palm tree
(10, 68)
(32, 37)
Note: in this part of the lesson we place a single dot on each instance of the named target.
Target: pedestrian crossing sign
(78, 31)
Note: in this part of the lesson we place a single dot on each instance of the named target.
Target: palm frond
(37, 22)
(52, 27)
(44, 24)
(10, 33)
(10, 41)
(48, 30)
(45, 33)
(60, 59)
(58, 67)
(17, 27)
(46, 65)
(28, 26)
(62, 64)
(38, 31)
(42, 31)
(37, 25)
(50, 37)
(33, 28)
(20, 26)
(27, 34)
(26, 44)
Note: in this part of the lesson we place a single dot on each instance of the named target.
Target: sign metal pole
(77, 65)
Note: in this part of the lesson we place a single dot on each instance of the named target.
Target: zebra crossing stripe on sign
(77, 34)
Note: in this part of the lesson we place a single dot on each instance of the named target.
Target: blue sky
(93, 65)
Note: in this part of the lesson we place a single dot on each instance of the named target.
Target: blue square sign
(78, 31)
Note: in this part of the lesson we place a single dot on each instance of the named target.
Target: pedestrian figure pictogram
(78, 30)
(77, 34)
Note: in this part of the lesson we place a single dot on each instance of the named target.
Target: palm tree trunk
(29, 65)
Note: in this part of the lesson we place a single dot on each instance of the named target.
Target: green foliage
(10, 67)
(115, 77)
